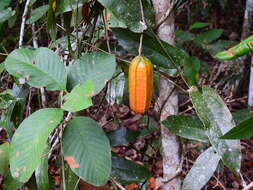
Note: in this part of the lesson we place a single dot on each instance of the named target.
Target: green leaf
(1, 68)
(87, 150)
(51, 21)
(191, 71)
(183, 36)
(36, 14)
(40, 67)
(151, 128)
(242, 115)
(122, 137)
(129, 13)
(10, 183)
(127, 172)
(114, 22)
(97, 67)
(152, 49)
(79, 98)
(41, 173)
(208, 36)
(68, 5)
(241, 131)
(202, 170)
(29, 142)
(6, 14)
(115, 89)
(243, 48)
(4, 158)
(217, 120)
(218, 46)
(186, 126)
(197, 25)
(70, 178)
(4, 4)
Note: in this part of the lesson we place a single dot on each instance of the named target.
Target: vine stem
(143, 21)
(22, 28)
(140, 45)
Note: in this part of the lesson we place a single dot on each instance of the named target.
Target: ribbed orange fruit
(140, 84)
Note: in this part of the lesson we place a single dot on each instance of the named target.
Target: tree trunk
(247, 27)
(170, 143)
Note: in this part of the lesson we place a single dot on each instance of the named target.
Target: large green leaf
(29, 142)
(208, 36)
(4, 4)
(51, 21)
(37, 14)
(217, 120)
(40, 67)
(202, 170)
(186, 126)
(241, 115)
(6, 14)
(68, 5)
(87, 150)
(191, 70)
(97, 67)
(241, 131)
(71, 179)
(115, 89)
(122, 137)
(10, 183)
(168, 56)
(13, 105)
(183, 36)
(41, 172)
(79, 98)
(127, 172)
(4, 158)
(129, 12)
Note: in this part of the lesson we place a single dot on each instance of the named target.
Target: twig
(77, 182)
(140, 45)
(106, 30)
(57, 134)
(248, 187)
(143, 21)
(63, 168)
(117, 184)
(218, 182)
(22, 28)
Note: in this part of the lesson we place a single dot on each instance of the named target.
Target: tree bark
(169, 105)
(247, 27)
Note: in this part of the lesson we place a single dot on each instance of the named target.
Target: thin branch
(57, 134)
(77, 182)
(22, 28)
(117, 184)
(63, 168)
(140, 45)
(106, 30)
